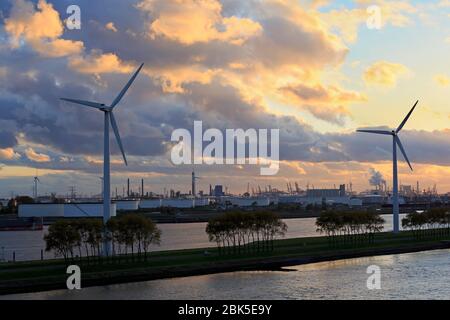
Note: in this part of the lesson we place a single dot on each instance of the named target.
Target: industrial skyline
(319, 84)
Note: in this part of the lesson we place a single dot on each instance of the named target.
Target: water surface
(422, 275)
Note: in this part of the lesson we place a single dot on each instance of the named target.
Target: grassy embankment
(51, 274)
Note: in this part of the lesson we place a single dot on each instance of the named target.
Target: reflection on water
(28, 244)
(408, 276)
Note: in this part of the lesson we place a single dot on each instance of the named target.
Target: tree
(349, 227)
(434, 223)
(62, 237)
(151, 235)
(133, 230)
(129, 231)
(83, 227)
(239, 231)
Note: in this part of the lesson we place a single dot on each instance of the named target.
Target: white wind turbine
(396, 142)
(108, 118)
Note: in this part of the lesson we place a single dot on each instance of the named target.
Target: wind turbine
(108, 118)
(395, 142)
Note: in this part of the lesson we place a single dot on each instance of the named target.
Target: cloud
(3, 71)
(110, 26)
(348, 21)
(173, 80)
(442, 80)
(65, 159)
(98, 161)
(9, 154)
(58, 48)
(191, 21)
(325, 103)
(7, 138)
(384, 73)
(98, 63)
(444, 3)
(35, 156)
(41, 27)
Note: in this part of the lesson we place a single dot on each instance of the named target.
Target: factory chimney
(128, 187)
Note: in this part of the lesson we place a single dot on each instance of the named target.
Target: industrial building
(248, 201)
(149, 203)
(172, 203)
(64, 210)
(373, 199)
(326, 193)
(218, 191)
(127, 204)
(345, 200)
(285, 199)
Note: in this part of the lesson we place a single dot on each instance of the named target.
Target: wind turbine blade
(385, 132)
(127, 86)
(400, 127)
(85, 103)
(399, 143)
(116, 132)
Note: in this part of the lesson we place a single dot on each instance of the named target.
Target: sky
(317, 70)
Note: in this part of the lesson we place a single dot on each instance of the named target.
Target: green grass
(33, 274)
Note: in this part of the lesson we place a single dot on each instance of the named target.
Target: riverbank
(51, 274)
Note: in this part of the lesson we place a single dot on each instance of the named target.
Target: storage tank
(128, 205)
(85, 210)
(150, 203)
(178, 203)
(41, 210)
(64, 210)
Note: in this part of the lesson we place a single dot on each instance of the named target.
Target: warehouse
(173, 203)
(248, 201)
(63, 210)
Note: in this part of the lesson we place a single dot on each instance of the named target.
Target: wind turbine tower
(395, 143)
(36, 181)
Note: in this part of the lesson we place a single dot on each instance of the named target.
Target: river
(421, 275)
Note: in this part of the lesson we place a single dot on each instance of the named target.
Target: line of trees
(133, 232)
(434, 223)
(349, 228)
(75, 239)
(245, 232)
